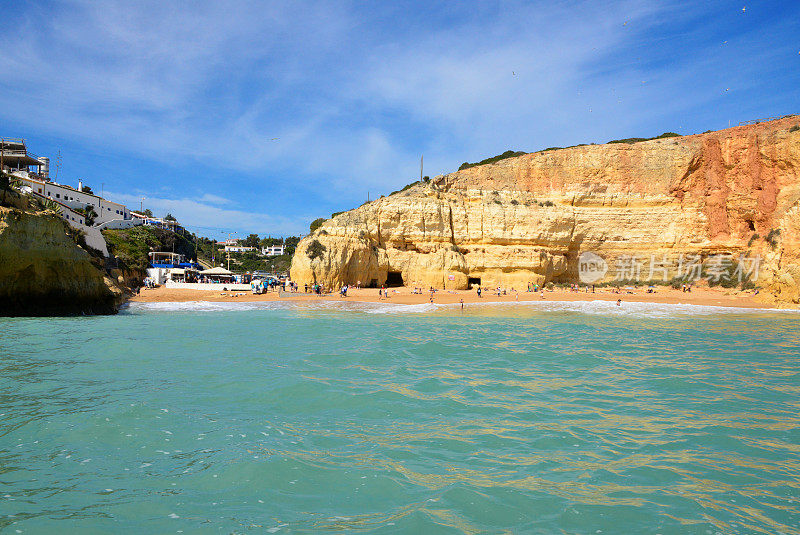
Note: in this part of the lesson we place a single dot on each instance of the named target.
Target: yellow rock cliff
(44, 273)
(662, 204)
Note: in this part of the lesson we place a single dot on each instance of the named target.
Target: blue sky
(243, 117)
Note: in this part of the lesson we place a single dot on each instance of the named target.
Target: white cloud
(353, 94)
(209, 220)
(214, 199)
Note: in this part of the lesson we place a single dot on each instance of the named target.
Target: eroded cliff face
(528, 219)
(44, 273)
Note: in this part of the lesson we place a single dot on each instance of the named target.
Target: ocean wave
(594, 307)
(334, 306)
(631, 308)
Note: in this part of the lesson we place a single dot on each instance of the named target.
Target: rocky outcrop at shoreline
(527, 219)
(43, 272)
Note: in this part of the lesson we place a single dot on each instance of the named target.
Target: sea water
(265, 418)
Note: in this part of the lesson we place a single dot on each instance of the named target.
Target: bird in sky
(275, 139)
(513, 73)
(744, 9)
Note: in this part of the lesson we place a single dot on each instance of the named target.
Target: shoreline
(403, 296)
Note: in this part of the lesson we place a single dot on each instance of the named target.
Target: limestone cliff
(529, 218)
(44, 273)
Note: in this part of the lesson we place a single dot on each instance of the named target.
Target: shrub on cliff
(315, 250)
(407, 186)
(316, 224)
(772, 237)
(8, 184)
(493, 159)
(630, 140)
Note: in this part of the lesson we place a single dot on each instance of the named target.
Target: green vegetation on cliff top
(493, 159)
(131, 246)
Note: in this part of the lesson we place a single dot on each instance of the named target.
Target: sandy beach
(404, 296)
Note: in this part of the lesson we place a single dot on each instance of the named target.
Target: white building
(94, 238)
(106, 210)
(275, 250)
(142, 219)
(238, 249)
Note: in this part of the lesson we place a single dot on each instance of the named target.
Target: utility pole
(141, 205)
(102, 187)
(2, 154)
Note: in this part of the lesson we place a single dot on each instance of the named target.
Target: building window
(58, 195)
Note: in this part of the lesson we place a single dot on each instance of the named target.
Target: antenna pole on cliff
(58, 163)
(420, 166)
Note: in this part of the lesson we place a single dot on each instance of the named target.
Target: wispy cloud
(214, 199)
(313, 104)
(206, 218)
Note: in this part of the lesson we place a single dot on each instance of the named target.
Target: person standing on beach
(462, 304)
(479, 291)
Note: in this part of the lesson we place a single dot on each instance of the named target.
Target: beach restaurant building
(216, 275)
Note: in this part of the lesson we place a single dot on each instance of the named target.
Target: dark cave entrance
(473, 281)
(394, 278)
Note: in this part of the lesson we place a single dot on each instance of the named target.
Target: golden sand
(404, 296)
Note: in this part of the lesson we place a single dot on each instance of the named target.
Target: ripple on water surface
(284, 418)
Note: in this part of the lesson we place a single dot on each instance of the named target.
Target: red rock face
(737, 176)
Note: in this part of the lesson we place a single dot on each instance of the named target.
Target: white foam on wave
(594, 307)
(214, 306)
(632, 308)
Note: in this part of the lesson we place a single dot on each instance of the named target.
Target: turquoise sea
(546, 418)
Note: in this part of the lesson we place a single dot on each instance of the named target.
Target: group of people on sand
(577, 288)
(316, 289)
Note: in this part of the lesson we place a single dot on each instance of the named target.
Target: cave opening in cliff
(751, 225)
(394, 278)
(473, 281)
